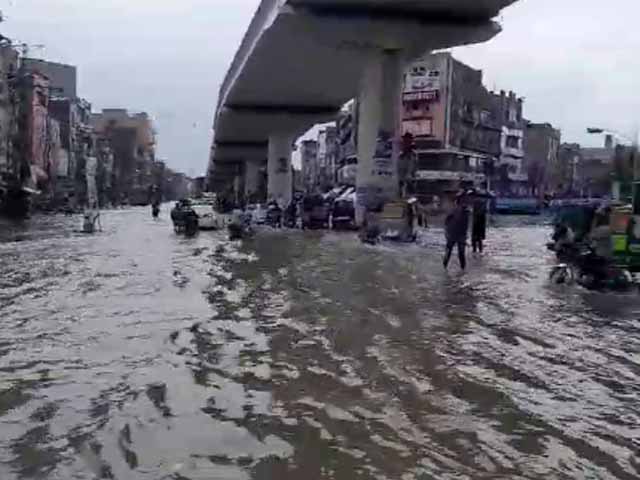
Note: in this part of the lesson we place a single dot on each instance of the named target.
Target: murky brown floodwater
(135, 354)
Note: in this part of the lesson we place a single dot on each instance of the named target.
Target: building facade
(8, 72)
(63, 79)
(327, 157)
(346, 138)
(546, 173)
(569, 155)
(512, 176)
(454, 124)
(309, 165)
(132, 141)
(595, 171)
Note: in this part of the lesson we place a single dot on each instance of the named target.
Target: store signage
(424, 95)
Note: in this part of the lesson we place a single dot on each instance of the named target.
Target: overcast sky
(576, 62)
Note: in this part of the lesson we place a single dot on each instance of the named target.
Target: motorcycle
(581, 264)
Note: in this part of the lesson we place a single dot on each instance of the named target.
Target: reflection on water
(136, 354)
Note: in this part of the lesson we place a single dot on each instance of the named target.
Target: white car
(258, 213)
(207, 217)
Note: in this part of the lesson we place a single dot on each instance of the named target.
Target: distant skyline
(575, 62)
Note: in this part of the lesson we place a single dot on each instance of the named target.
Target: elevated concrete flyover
(302, 60)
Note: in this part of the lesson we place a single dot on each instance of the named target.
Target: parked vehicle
(315, 212)
(343, 211)
(207, 217)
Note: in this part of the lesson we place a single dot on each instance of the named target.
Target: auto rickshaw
(397, 220)
(592, 241)
(625, 238)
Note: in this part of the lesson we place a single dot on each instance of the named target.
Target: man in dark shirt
(456, 231)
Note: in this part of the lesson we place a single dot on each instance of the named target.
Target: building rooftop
(598, 153)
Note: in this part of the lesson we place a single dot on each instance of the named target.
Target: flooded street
(137, 354)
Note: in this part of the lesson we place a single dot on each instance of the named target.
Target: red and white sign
(417, 96)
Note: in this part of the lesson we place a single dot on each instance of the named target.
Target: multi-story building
(327, 157)
(199, 186)
(132, 141)
(546, 173)
(10, 166)
(104, 175)
(455, 124)
(8, 71)
(594, 172)
(513, 179)
(569, 155)
(62, 78)
(347, 155)
(177, 185)
(37, 132)
(309, 164)
(63, 111)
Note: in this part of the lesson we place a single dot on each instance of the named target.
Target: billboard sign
(420, 79)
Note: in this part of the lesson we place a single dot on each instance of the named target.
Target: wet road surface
(136, 354)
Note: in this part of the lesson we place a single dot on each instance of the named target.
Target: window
(418, 71)
(485, 116)
(513, 141)
(513, 114)
(434, 74)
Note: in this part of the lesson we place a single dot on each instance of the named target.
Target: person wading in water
(456, 231)
(479, 224)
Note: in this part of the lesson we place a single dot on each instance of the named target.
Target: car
(258, 213)
(207, 217)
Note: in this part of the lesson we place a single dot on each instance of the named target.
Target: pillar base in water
(280, 177)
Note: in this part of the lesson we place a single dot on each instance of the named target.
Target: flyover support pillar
(251, 179)
(279, 175)
(379, 103)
